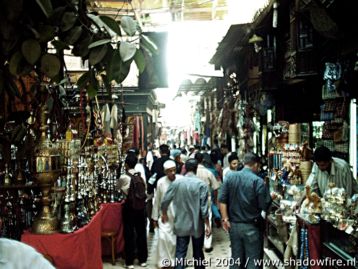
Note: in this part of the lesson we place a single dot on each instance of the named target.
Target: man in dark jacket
(243, 197)
(157, 171)
(157, 167)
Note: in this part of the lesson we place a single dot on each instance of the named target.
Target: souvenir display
(288, 209)
(311, 207)
(18, 209)
(340, 210)
(60, 183)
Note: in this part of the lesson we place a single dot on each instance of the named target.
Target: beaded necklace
(304, 255)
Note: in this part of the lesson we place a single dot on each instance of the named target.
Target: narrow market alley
(178, 134)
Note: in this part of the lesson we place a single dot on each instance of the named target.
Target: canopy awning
(231, 40)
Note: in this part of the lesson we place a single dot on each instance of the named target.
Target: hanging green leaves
(127, 51)
(31, 50)
(99, 43)
(12, 88)
(129, 25)
(24, 68)
(50, 65)
(49, 103)
(114, 65)
(148, 45)
(46, 7)
(96, 19)
(73, 35)
(107, 83)
(14, 63)
(67, 24)
(112, 24)
(59, 45)
(83, 80)
(107, 23)
(63, 81)
(46, 33)
(68, 21)
(123, 71)
(1, 82)
(91, 91)
(139, 60)
(96, 54)
(18, 134)
(57, 15)
(13, 9)
(93, 86)
(81, 48)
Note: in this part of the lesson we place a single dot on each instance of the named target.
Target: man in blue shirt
(190, 199)
(243, 197)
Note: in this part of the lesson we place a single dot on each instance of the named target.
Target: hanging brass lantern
(46, 169)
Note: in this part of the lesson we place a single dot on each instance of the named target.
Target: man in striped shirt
(328, 169)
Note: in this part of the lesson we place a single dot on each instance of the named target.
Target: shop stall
(63, 197)
(82, 248)
(301, 226)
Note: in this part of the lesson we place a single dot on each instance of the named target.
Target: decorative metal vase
(46, 169)
(57, 206)
(68, 220)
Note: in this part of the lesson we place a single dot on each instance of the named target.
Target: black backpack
(136, 193)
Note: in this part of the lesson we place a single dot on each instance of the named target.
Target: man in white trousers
(166, 237)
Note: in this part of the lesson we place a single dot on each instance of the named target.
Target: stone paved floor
(221, 244)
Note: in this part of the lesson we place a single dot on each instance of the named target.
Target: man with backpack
(134, 213)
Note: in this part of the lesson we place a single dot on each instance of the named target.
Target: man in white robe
(18, 255)
(166, 237)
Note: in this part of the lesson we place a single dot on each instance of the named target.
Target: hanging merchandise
(294, 133)
(304, 249)
(246, 127)
(226, 116)
(275, 15)
(332, 73)
(114, 117)
(106, 118)
(197, 121)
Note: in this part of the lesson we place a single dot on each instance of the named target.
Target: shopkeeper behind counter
(328, 169)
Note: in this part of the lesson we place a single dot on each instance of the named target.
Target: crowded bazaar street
(178, 134)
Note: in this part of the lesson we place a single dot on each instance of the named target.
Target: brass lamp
(256, 40)
(46, 168)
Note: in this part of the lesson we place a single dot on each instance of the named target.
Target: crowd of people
(190, 190)
(182, 193)
(183, 187)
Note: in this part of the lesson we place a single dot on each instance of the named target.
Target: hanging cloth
(114, 117)
(106, 118)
